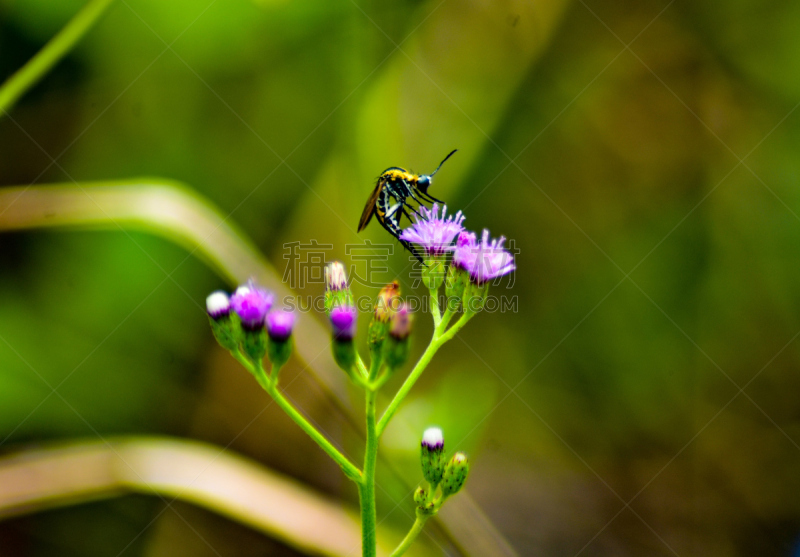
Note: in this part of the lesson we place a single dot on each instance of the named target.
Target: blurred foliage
(651, 192)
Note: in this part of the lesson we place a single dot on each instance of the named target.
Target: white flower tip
(217, 302)
(433, 437)
(243, 290)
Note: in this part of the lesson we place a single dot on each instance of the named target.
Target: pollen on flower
(433, 233)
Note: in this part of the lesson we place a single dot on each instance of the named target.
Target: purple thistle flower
(484, 260)
(218, 305)
(280, 324)
(464, 250)
(343, 320)
(434, 234)
(251, 303)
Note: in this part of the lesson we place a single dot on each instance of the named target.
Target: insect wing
(369, 208)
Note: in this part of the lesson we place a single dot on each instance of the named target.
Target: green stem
(366, 489)
(411, 536)
(350, 469)
(435, 310)
(36, 68)
(437, 341)
(257, 369)
(448, 315)
(360, 364)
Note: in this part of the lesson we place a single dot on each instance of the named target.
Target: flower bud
(251, 303)
(279, 329)
(388, 301)
(385, 306)
(227, 331)
(432, 453)
(422, 499)
(455, 474)
(433, 271)
(457, 279)
(420, 496)
(218, 305)
(400, 327)
(397, 346)
(475, 297)
(337, 293)
(343, 322)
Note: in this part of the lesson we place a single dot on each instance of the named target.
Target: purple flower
(280, 324)
(464, 250)
(484, 260)
(251, 303)
(343, 320)
(218, 304)
(401, 323)
(434, 234)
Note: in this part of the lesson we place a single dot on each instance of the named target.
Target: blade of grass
(55, 49)
(197, 473)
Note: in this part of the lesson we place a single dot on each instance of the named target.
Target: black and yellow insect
(389, 199)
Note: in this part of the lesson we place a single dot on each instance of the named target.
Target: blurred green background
(642, 156)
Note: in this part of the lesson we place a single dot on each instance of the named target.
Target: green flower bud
(433, 272)
(475, 297)
(385, 307)
(457, 279)
(254, 343)
(224, 323)
(455, 474)
(421, 496)
(424, 505)
(343, 322)
(344, 353)
(432, 456)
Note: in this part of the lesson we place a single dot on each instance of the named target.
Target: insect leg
(429, 197)
(414, 197)
(407, 215)
(392, 210)
(413, 251)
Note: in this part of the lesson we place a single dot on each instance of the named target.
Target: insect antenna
(441, 163)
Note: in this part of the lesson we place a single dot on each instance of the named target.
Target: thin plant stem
(439, 338)
(350, 469)
(366, 489)
(257, 369)
(446, 317)
(56, 48)
(411, 536)
(435, 310)
(360, 365)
